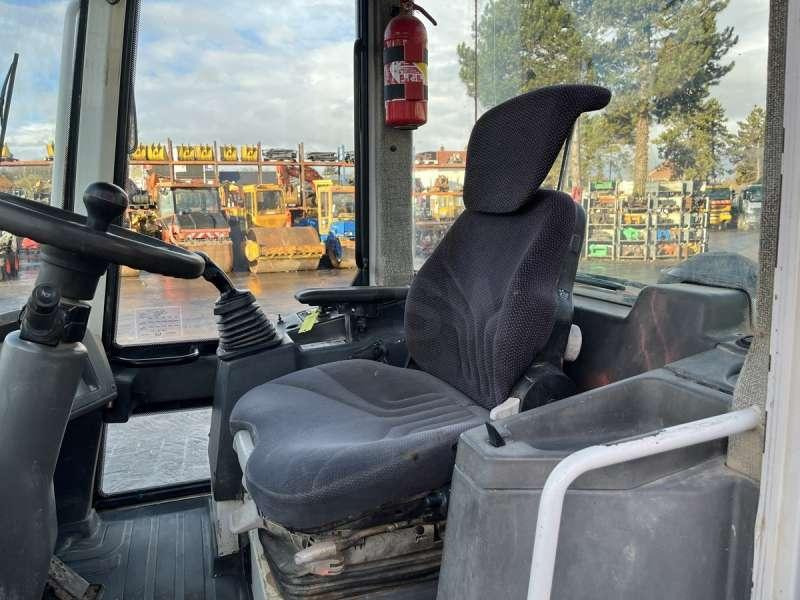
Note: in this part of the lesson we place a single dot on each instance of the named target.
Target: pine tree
(659, 59)
(522, 45)
(747, 148)
(695, 144)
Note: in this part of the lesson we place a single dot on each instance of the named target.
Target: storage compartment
(675, 525)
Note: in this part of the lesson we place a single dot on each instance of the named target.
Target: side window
(241, 125)
(29, 68)
(670, 169)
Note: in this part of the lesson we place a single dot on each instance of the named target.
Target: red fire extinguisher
(405, 69)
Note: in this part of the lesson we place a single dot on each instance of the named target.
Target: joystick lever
(105, 203)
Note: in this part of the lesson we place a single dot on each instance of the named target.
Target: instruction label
(159, 322)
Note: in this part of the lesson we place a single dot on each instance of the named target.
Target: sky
(281, 73)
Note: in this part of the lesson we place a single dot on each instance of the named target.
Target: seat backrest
(485, 304)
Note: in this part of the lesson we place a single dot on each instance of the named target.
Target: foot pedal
(65, 584)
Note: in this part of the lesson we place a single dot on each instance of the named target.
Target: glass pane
(251, 159)
(27, 152)
(156, 450)
(670, 169)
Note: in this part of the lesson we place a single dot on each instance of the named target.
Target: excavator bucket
(185, 152)
(156, 152)
(203, 152)
(140, 153)
(250, 153)
(280, 249)
(229, 153)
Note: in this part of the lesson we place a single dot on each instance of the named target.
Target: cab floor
(160, 551)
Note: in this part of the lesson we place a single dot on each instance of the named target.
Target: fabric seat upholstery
(342, 438)
(345, 438)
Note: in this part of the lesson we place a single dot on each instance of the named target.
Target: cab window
(269, 200)
(261, 112)
(664, 173)
(29, 73)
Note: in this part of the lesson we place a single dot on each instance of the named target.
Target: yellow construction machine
(336, 222)
(273, 245)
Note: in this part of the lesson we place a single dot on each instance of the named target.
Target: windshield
(268, 200)
(343, 203)
(195, 200)
(754, 194)
(719, 193)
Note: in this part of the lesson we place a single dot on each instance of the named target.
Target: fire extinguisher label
(404, 72)
(403, 79)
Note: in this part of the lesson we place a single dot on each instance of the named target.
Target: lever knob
(104, 203)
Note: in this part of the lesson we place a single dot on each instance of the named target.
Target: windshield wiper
(600, 281)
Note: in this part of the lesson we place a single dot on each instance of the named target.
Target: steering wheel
(94, 237)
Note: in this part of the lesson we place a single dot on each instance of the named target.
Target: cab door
(160, 334)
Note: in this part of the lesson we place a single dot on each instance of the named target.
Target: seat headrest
(513, 146)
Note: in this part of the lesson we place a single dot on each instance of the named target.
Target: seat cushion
(338, 441)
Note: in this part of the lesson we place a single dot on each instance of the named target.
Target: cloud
(34, 31)
(281, 72)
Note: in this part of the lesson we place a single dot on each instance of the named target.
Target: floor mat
(157, 552)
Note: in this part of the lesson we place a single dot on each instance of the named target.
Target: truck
(751, 198)
(720, 205)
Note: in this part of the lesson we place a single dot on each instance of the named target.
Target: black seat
(336, 442)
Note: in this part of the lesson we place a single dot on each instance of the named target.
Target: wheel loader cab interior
(288, 369)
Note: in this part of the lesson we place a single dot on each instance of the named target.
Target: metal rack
(602, 222)
(668, 223)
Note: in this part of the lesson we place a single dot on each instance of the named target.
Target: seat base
(398, 558)
(411, 575)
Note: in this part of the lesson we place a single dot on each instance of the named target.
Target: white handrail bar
(548, 521)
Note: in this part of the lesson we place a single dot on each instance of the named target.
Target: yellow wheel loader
(273, 245)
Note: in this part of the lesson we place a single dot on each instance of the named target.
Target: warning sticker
(158, 322)
(400, 72)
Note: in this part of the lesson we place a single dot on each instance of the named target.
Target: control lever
(243, 327)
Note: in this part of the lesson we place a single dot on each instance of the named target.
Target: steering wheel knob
(104, 202)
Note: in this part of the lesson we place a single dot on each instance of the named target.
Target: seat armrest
(361, 294)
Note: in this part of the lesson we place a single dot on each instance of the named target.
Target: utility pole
(475, 28)
(5, 101)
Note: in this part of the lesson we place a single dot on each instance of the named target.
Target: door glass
(670, 169)
(26, 153)
(156, 450)
(258, 123)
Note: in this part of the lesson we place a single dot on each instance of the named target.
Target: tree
(695, 144)
(659, 59)
(499, 66)
(747, 147)
(605, 151)
(522, 45)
